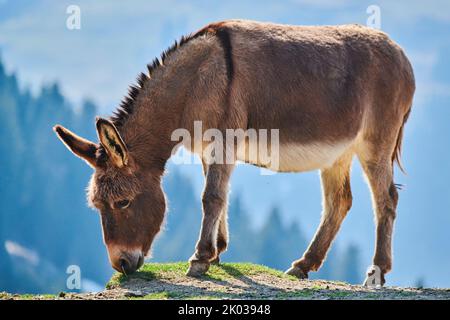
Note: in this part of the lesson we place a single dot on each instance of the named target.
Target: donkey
(333, 92)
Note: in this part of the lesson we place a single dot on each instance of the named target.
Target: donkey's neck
(148, 130)
(157, 107)
(157, 111)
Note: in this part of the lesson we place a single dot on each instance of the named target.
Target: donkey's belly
(293, 157)
(310, 157)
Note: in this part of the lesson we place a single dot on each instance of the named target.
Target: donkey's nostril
(140, 261)
(126, 262)
(129, 263)
(125, 266)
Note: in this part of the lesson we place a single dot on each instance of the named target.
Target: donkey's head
(130, 199)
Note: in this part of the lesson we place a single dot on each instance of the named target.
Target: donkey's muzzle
(128, 263)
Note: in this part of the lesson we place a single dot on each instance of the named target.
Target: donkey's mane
(126, 107)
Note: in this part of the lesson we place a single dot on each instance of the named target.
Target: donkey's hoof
(197, 268)
(216, 260)
(297, 272)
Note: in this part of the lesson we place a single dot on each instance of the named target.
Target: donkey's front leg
(214, 202)
(222, 234)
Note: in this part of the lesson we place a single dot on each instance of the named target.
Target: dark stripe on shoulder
(225, 40)
(223, 34)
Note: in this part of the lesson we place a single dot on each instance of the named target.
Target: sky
(117, 39)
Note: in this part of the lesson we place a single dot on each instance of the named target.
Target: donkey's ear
(82, 148)
(112, 142)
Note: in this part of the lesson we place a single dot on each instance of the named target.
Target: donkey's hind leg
(377, 166)
(337, 200)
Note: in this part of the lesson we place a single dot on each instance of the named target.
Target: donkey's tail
(396, 155)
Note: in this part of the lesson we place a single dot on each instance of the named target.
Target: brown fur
(331, 91)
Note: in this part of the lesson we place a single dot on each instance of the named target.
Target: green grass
(335, 294)
(406, 294)
(159, 296)
(371, 296)
(222, 272)
(205, 297)
(177, 295)
(26, 296)
(305, 294)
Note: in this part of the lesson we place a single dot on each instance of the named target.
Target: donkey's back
(327, 88)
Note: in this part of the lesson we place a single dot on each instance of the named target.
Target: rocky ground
(234, 281)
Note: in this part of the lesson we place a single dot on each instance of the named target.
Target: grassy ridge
(222, 272)
(161, 281)
(217, 274)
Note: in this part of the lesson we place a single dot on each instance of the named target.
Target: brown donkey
(332, 92)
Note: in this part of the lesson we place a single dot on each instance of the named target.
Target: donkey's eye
(122, 204)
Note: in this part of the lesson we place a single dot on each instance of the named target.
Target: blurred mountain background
(69, 76)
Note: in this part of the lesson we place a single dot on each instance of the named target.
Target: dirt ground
(262, 287)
